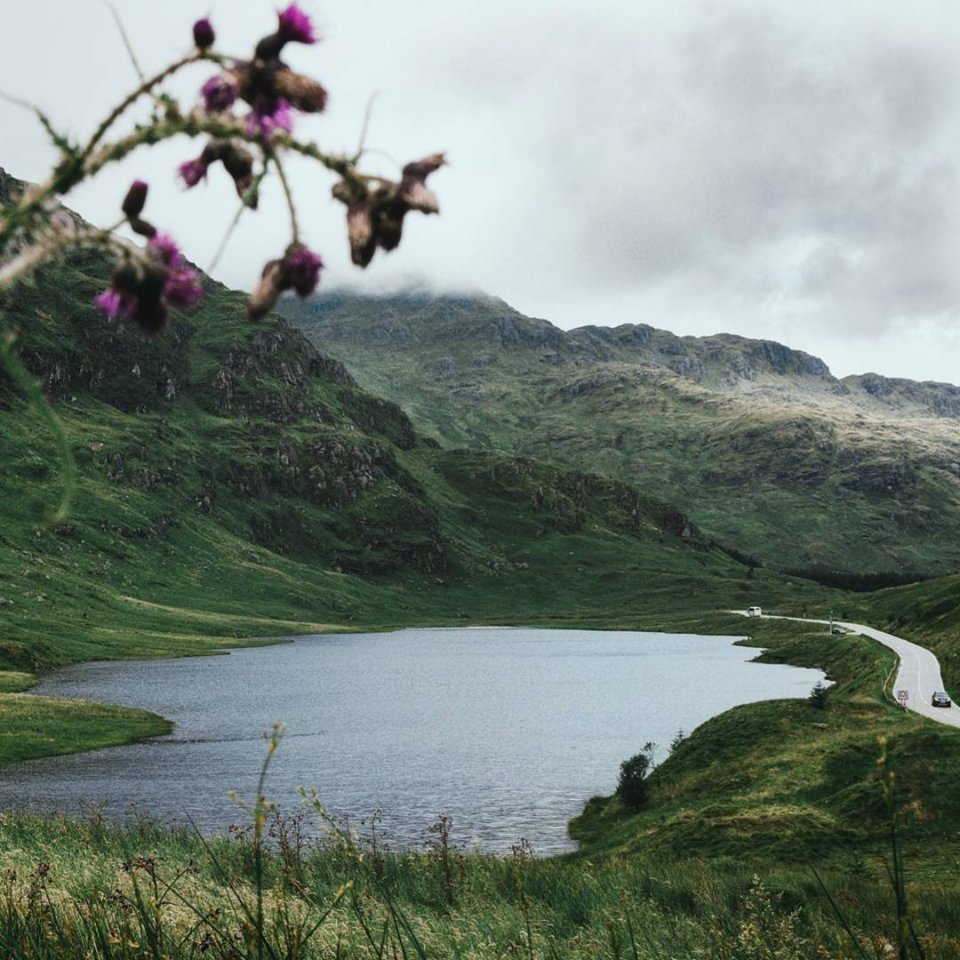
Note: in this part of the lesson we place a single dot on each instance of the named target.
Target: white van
(753, 612)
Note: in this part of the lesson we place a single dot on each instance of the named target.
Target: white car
(753, 612)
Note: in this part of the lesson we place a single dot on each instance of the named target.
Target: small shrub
(632, 785)
(818, 696)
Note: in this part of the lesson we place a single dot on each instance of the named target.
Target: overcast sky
(778, 170)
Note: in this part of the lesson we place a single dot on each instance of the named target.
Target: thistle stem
(291, 206)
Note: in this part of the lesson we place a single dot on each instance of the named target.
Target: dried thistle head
(413, 189)
(361, 233)
(301, 92)
(267, 292)
(375, 211)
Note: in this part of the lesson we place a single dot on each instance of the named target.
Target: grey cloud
(779, 140)
(766, 169)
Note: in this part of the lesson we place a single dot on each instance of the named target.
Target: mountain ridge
(745, 433)
(725, 359)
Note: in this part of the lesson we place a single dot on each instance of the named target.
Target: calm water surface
(508, 731)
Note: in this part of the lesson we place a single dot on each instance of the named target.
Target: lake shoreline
(618, 722)
(49, 717)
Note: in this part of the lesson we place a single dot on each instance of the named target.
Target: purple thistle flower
(302, 269)
(167, 249)
(269, 114)
(182, 288)
(295, 25)
(203, 35)
(192, 172)
(219, 94)
(110, 303)
(182, 285)
(142, 289)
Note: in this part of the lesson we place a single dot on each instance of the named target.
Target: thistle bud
(135, 199)
(302, 269)
(203, 35)
(238, 162)
(142, 227)
(219, 93)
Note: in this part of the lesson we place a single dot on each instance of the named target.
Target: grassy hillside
(787, 781)
(234, 483)
(764, 449)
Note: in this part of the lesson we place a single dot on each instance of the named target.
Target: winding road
(918, 674)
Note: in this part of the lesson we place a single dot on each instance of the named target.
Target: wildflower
(299, 270)
(166, 248)
(269, 114)
(303, 267)
(192, 172)
(203, 35)
(295, 25)
(375, 213)
(110, 302)
(182, 288)
(270, 86)
(143, 290)
(219, 93)
(236, 159)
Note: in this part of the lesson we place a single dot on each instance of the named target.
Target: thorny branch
(147, 281)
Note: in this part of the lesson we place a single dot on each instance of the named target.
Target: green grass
(299, 885)
(43, 726)
(784, 782)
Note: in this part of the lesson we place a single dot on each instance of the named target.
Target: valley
(235, 484)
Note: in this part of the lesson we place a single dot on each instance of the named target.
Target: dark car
(940, 699)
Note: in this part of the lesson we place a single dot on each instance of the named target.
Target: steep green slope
(762, 447)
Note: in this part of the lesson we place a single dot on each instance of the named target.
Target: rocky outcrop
(940, 399)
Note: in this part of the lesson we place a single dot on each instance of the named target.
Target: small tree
(632, 785)
(818, 696)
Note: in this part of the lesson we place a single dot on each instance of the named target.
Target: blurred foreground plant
(245, 114)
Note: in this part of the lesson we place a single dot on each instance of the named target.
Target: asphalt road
(919, 672)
